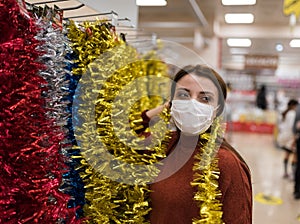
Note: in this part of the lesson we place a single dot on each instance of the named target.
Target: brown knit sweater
(172, 198)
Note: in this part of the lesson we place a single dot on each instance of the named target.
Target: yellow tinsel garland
(108, 165)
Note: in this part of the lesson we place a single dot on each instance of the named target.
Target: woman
(197, 101)
(286, 136)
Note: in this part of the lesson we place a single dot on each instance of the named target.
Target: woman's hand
(157, 110)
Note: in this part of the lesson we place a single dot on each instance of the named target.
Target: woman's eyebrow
(181, 88)
(206, 92)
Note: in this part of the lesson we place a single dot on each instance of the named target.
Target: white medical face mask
(191, 116)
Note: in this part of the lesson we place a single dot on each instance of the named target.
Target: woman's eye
(205, 99)
(182, 95)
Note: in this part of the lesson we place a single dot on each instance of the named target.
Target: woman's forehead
(197, 83)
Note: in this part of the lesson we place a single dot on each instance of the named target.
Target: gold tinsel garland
(116, 191)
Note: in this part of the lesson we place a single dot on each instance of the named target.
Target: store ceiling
(180, 21)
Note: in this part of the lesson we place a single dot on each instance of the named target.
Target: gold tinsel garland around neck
(206, 176)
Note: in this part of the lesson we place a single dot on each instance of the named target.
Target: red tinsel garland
(30, 159)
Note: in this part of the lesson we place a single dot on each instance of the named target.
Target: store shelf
(252, 127)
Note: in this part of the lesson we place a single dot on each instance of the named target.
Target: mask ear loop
(217, 107)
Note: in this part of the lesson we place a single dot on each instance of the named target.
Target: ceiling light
(238, 42)
(279, 47)
(151, 2)
(295, 43)
(239, 18)
(238, 2)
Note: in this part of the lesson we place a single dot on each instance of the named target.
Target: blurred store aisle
(269, 186)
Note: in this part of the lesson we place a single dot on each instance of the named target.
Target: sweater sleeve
(236, 187)
(144, 124)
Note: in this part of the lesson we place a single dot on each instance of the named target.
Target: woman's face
(199, 88)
